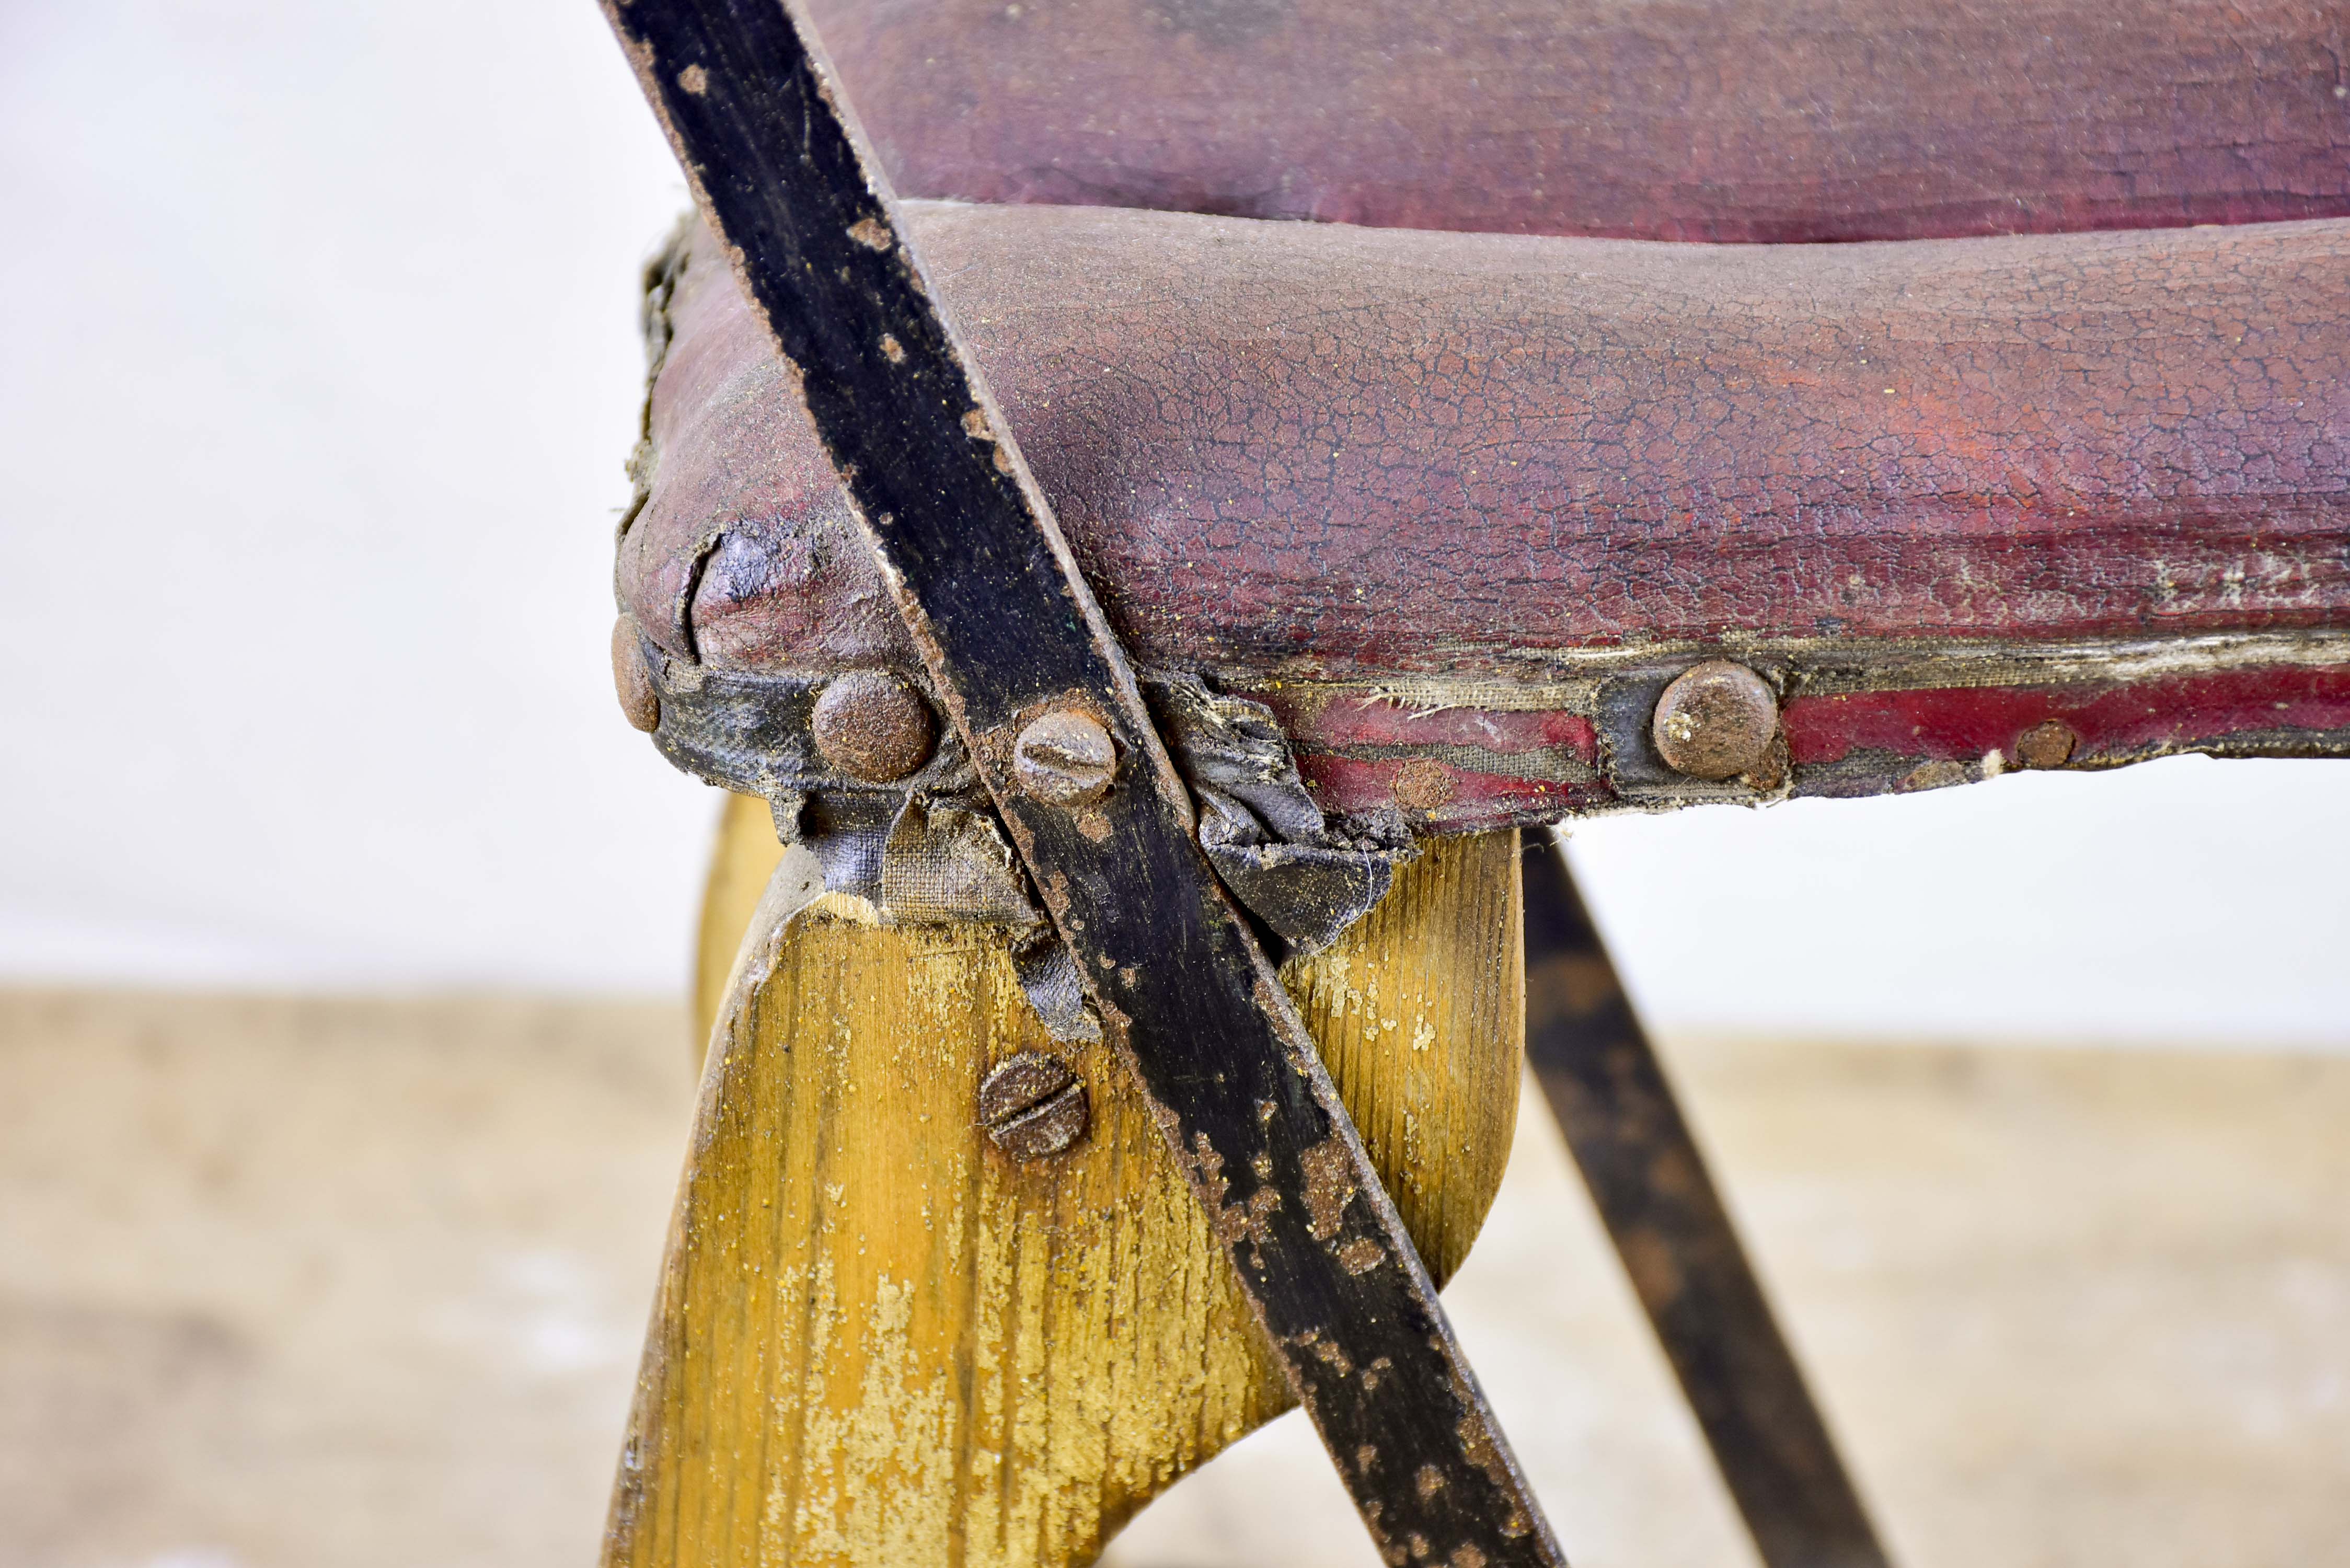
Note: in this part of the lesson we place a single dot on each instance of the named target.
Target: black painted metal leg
(1611, 1097)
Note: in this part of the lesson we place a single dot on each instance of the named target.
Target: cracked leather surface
(1689, 119)
(1298, 451)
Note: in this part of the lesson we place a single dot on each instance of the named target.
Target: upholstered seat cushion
(1287, 449)
(1436, 497)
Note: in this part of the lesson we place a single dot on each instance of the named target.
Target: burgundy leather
(1290, 451)
(1435, 497)
(1689, 119)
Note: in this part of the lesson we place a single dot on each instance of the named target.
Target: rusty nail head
(2047, 745)
(1033, 1105)
(1066, 758)
(1716, 721)
(633, 678)
(871, 726)
(1421, 785)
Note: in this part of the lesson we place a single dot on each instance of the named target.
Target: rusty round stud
(872, 726)
(1716, 721)
(1066, 758)
(1421, 785)
(1033, 1105)
(2047, 745)
(632, 677)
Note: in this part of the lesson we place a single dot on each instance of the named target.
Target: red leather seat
(1675, 120)
(1493, 473)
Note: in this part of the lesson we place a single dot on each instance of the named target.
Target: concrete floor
(291, 1284)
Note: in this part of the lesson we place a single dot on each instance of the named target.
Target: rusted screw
(2047, 745)
(1716, 721)
(1033, 1105)
(1066, 758)
(871, 726)
(633, 678)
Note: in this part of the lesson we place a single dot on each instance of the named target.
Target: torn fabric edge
(1270, 843)
(929, 848)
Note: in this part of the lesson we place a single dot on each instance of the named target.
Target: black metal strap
(1012, 634)
(1613, 1101)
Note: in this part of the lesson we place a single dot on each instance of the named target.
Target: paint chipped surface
(941, 1359)
(1330, 1186)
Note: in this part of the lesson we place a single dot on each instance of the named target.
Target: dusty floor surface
(285, 1285)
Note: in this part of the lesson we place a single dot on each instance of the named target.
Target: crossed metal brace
(1047, 705)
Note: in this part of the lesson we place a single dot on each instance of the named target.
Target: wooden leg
(881, 1340)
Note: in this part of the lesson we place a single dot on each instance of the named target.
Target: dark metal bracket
(1677, 1240)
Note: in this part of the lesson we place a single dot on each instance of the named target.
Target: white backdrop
(320, 372)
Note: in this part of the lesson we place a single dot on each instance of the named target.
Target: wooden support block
(881, 1340)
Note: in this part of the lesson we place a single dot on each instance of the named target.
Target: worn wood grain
(880, 1341)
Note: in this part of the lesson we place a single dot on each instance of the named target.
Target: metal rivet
(1066, 758)
(1421, 785)
(871, 726)
(2047, 745)
(1033, 1105)
(1716, 721)
(632, 677)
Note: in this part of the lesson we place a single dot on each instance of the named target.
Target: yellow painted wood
(880, 1341)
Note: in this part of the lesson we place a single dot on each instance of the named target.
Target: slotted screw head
(1065, 758)
(871, 726)
(1033, 1105)
(633, 678)
(1716, 721)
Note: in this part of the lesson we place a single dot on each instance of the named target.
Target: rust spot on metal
(1477, 1446)
(1328, 1352)
(2047, 745)
(1716, 721)
(872, 726)
(1772, 772)
(1065, 758)
(1233, 1223)
(1033, 1105)
(1330, 1186)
